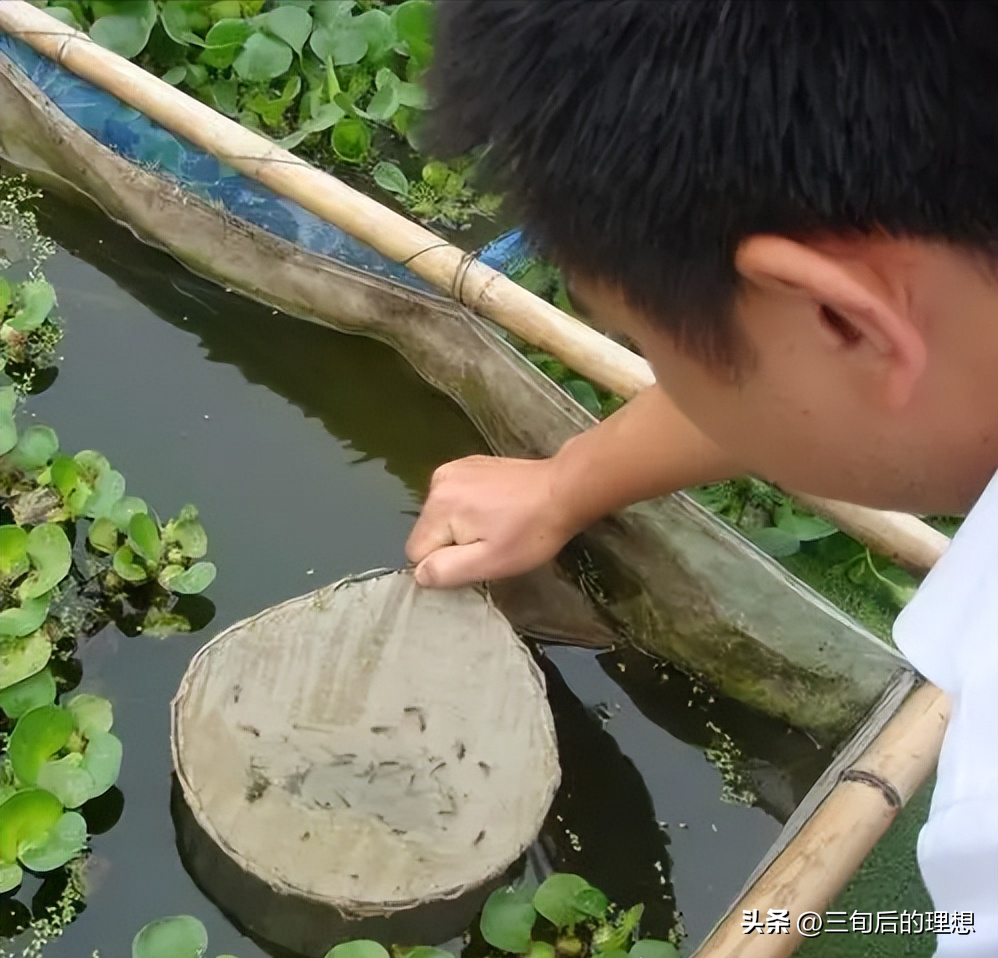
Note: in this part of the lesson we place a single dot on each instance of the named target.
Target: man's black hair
(640, 142)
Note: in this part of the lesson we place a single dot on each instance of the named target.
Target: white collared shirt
(949, 632)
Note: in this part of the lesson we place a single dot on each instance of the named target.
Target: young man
(792, 208)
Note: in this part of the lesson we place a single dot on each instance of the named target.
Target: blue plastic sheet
(138, 139)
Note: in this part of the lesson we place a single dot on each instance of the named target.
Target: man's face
(809, 413)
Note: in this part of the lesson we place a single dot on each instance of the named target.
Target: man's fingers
(431, 532)
(454, 566)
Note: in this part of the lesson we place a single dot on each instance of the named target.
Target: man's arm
(488, 518)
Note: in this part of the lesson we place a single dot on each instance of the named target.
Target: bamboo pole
(449, 269)
(819, 861)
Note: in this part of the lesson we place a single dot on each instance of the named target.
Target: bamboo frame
(830, 847)
(903, 538)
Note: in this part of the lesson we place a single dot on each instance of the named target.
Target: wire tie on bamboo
(890, 793)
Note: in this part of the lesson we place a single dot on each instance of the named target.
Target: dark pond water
(307, 453)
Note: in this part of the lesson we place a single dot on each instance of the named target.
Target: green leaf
(102, 759)
(36, 298)
(343, 43)
(413, 95)
(127, 33)
(11, 873)
(197, 75)
(385, 103)
(8, 428)
(76, 778)
(378, 31)
(191, 538)
(271, 109)
(109, 489)
(359, 948)
(329, 114)
(331, 12)
(508, 918)
(28, 694)
(35, 448)
(178, 937)
(175, 75)
(389, 177)
(426, 951)
(143, 537)
(584, 394)
(64, 841)
(262, 58)
(176, 23)
(188, 513)
(592, 902)
(774, 542)
(899, 586)
(51, 556)
(332, 81)
(124, 565)
(228, 33)
(290, 24)
(39, 734)
(25, 618)
(22, 657)
(351, 139)
(63, 16)
(92, 713)
(92, 465)
(13, 551)
(193, 580)
(66, 778)
(103, 535)
(122, 511)
(565, 899)
(652, 948)
(224, 95)
(610, 938)
(64, 474)
(806, 528)
(26, 817)
(223, 43)
(6, 296)
(414, 25)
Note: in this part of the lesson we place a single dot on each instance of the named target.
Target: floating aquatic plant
(565, 917)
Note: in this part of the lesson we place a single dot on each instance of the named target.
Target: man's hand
(489, 518)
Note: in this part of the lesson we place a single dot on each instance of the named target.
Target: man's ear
(854, 308)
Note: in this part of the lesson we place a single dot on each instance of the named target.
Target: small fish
(461, 751)
(382, 729)
(249, 728)
(418, 712)
(485, 767)
(478, 840)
